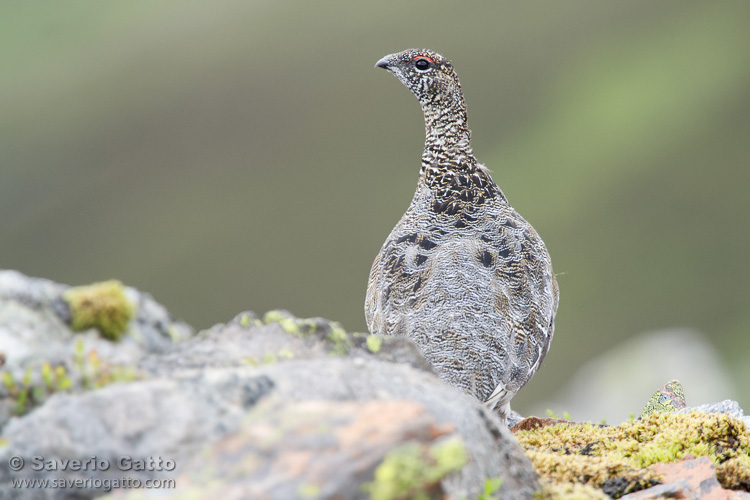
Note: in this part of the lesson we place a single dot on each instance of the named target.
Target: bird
(462, 274)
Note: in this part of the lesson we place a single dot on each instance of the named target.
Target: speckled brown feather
(462, 273)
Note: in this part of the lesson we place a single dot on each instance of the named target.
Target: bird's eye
(422, 63)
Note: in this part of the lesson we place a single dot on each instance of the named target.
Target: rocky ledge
(103, 393)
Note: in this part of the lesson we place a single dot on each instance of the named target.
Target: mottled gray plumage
(462, 273)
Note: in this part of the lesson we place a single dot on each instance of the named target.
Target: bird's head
(427, 74)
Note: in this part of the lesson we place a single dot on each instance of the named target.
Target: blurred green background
(235, 155)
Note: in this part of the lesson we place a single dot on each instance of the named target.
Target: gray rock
(676, 489)
(34, 331)
(206, 389)
(250, 341)
(728, 406)
(493, 450)
(731, 408)
(298, 460)
(167, 419)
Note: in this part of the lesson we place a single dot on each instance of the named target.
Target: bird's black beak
(383, 63)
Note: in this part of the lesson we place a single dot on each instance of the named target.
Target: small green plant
(31, 391)
(490, 487)
(552, 414)
(96, 372)
(47, 375)
(8, 381)
(87, 370)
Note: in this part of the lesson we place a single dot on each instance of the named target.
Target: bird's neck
(447, 136)
(449, 169)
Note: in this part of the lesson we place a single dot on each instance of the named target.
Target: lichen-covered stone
(201, 391)
(44, 356)
(670, 397)
(728, 407)
(676, 489)
(700, 475)
(616, 458)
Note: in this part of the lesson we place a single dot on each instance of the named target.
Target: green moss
(735, 473)
(287, 322)
(449, 456)
(338, 341)
(414, 470)
(308, 490)
(616, 458)
(271, 357)
(292, 325)
(570, 491)
(247, 321)
(103, 306)
(285, 353)
(374, 343)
